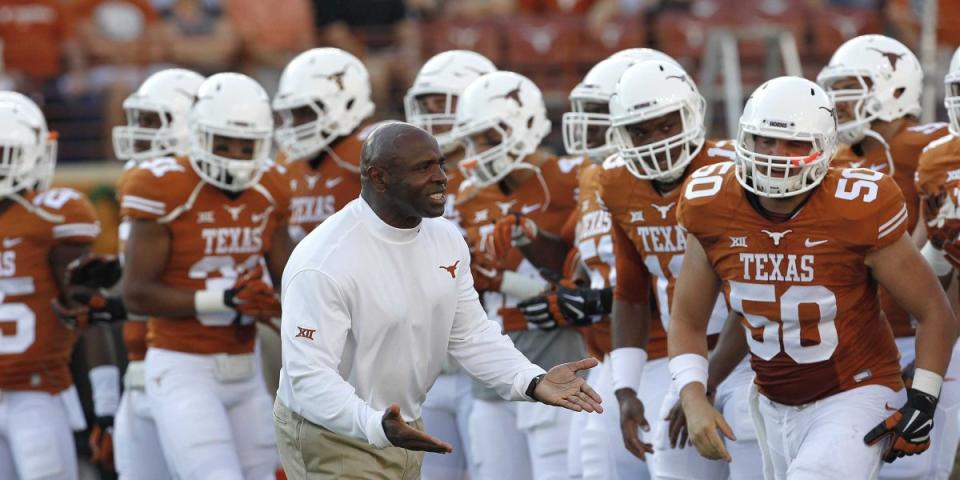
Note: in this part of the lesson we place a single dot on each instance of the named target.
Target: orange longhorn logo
(452, 269)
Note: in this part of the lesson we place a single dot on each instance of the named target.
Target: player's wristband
(627, 367)
(105, 387)
(937, 259)
(688, 368)
(210, 301)
(520, 286)
(927, 382)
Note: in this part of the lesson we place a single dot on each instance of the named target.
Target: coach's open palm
(563, 388)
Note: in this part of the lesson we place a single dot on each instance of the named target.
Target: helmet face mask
(157, 117)
(657, 120)
(787, 138)
(28, 151)
(334, 85)
(952, 98)
(231, 129)
(586, 129)
(436, 113)
(501, 118)
(879, 75)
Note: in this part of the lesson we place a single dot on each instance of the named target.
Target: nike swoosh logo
(529, 208)
(489, 272)
(11, 242)
(889, 408)
(810, 243)
(333, 182)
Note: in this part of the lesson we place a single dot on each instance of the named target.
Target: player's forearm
(630, 324)
(686, 336)
(730, 350)
(546, 251)
(936, 335)
(158, 299)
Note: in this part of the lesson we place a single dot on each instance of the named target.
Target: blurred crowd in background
(80, 58)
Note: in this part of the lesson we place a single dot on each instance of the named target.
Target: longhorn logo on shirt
(891, 57)
(234, 211)
(305, 333)
(663, 209)
(777, 236)
(452, 269)
(512, 95)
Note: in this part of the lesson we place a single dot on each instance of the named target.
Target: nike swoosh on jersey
(333, 182)
(12, 242)
(529, 208)
(811, 243)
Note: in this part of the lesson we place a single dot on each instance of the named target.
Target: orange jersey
(938, 181)
(35, 345)
(810, 304)
(212, 236)
(322, 186)
(594, 242)
(906, 147)
(649, 244)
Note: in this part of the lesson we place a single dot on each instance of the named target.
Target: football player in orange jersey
(322, 102)
(202, 228)
(660, 137)
(501, 118)
(156, 131)
(799, 250)
(43, 230)
(431, 104)
(938, 177)
(875, 83)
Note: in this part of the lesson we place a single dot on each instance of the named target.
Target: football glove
(577, 306)
(94, 271)
(513, 230)
(487, 274)
(101, 443)
(252, 296)
(909, 428)
(89, 307)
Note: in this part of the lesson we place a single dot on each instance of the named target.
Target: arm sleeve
(891, 215)
(633, 279)
(480, 347)
(313, 332)
(80, 224)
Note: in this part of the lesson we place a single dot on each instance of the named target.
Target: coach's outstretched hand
(404, 436)
(563, 388)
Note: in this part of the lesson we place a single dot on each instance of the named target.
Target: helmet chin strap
(886, 148)
(521, 165)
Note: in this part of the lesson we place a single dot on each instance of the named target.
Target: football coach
(374, 299)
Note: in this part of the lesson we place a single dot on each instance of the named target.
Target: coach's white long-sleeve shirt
(369, 314)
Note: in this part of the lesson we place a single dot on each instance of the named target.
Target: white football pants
(210, 428)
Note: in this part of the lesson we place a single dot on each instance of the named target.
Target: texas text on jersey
(808, 300)
(35, 345)
(213, 235)
(646, 220)
(326, 183)
(906, 146)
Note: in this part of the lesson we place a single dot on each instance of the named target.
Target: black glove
(91, 307)
(94, 271)
(579, 307)
(909, 428)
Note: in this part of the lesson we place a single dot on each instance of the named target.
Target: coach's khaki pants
(311, 452)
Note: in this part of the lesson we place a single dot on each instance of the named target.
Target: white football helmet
(644, 54)
(230, 105)
(28, 151)
(651, 90)
(512, 106)
(790, 108)
(581, 126)
(890, 80)
(952, 99)
(334, 86)
(169, 94)
(448, 74)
